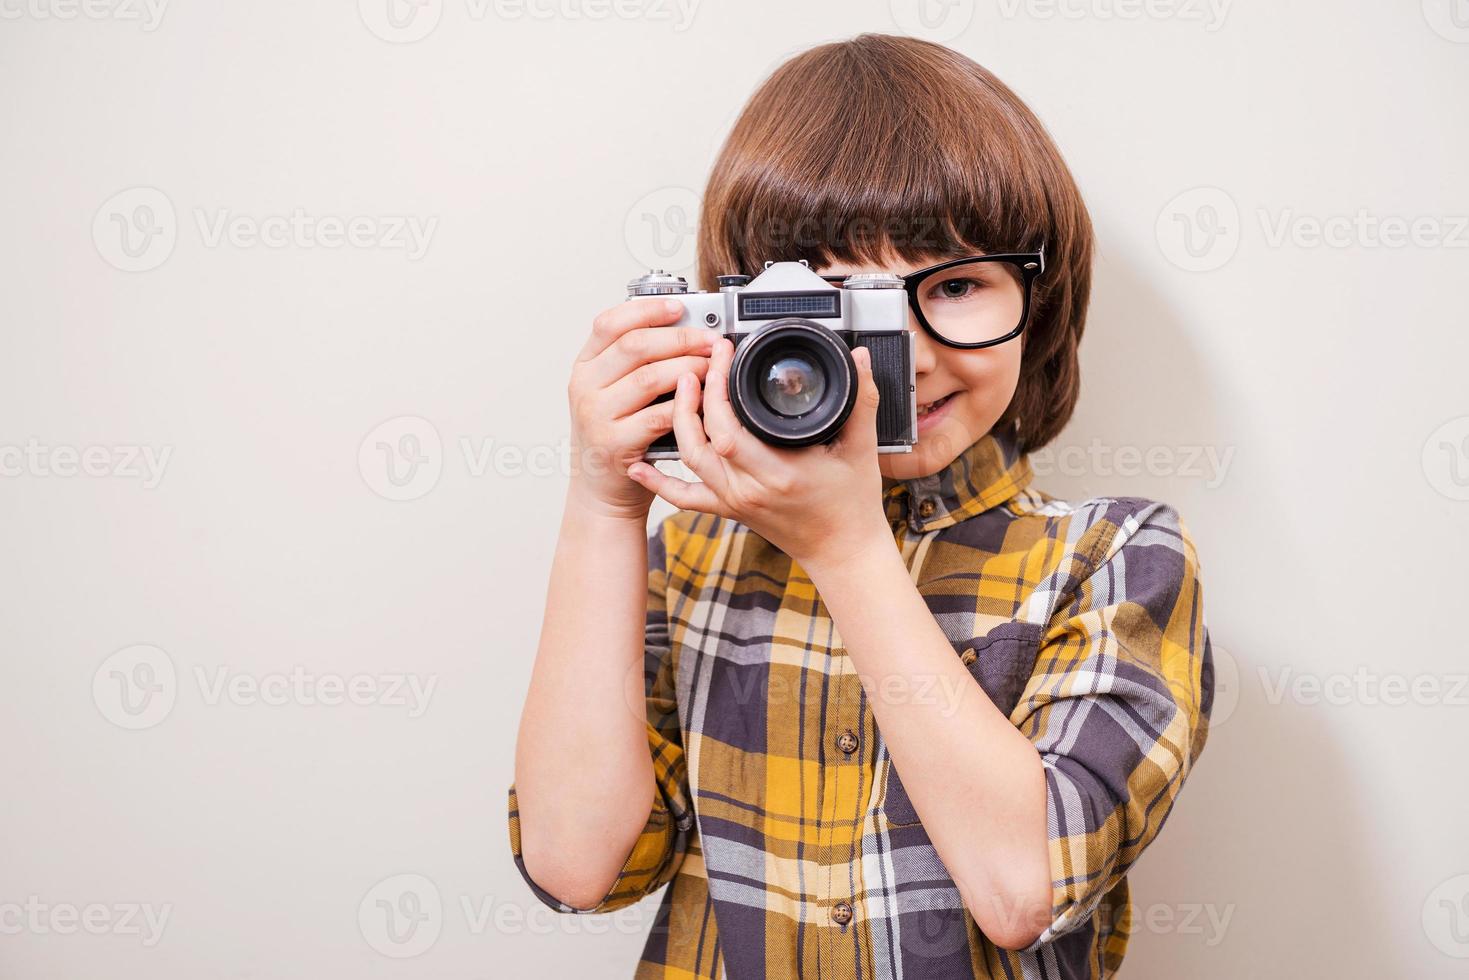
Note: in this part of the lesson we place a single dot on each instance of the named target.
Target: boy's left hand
(819, 504)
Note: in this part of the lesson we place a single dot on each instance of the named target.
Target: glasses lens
(791, 384)
(974, 302)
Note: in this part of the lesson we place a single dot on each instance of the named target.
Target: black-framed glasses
(974, 302)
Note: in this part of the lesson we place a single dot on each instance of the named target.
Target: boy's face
(976, 386)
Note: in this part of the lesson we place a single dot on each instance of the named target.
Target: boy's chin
(932, 452)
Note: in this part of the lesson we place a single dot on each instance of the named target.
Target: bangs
(854, 151)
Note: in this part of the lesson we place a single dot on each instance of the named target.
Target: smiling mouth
(926, 407)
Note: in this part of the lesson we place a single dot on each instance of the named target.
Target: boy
(892, 715)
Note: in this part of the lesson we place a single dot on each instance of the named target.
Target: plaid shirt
(783, 829)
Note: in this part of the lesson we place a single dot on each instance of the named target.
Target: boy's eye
(956, 289)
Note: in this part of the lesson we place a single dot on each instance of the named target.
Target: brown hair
(876, 143)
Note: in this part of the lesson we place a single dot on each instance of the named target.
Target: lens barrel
(793, 383)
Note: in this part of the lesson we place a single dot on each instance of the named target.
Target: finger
(688, 430)
(648, 381)
(859, 433)
(642, 345)
(612, 323)
(727, 436)
(680, 493)
(646, 424)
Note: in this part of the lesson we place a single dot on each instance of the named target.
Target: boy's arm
(1036, 818)
(975, 781)
(584, 773)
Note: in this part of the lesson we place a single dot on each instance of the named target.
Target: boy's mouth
(925, 407)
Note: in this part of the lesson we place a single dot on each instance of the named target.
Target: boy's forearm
(976, 782)
(583, 773)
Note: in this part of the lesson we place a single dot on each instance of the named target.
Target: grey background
(1321, 835)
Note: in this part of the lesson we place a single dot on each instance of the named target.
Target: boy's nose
(925, 354)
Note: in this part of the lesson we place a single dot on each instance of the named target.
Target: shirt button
(847, 742)
(841, 913)
(926, 507)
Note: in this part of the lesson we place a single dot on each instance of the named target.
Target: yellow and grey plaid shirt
(780, 825)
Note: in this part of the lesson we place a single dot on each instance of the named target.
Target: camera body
(792, 381)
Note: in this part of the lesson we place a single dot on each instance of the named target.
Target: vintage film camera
(792, 382)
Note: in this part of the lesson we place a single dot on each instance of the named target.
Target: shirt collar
(985, 475)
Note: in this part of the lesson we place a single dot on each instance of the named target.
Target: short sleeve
(659, 850)
(1118, 707)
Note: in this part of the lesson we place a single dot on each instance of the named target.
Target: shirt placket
(847, 774)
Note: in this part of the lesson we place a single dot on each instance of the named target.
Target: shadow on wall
(1261, 870)
(1145, 389)
(1261, 864)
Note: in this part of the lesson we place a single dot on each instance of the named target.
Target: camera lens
(792, 382)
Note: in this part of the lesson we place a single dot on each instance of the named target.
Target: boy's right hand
(630, 358)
